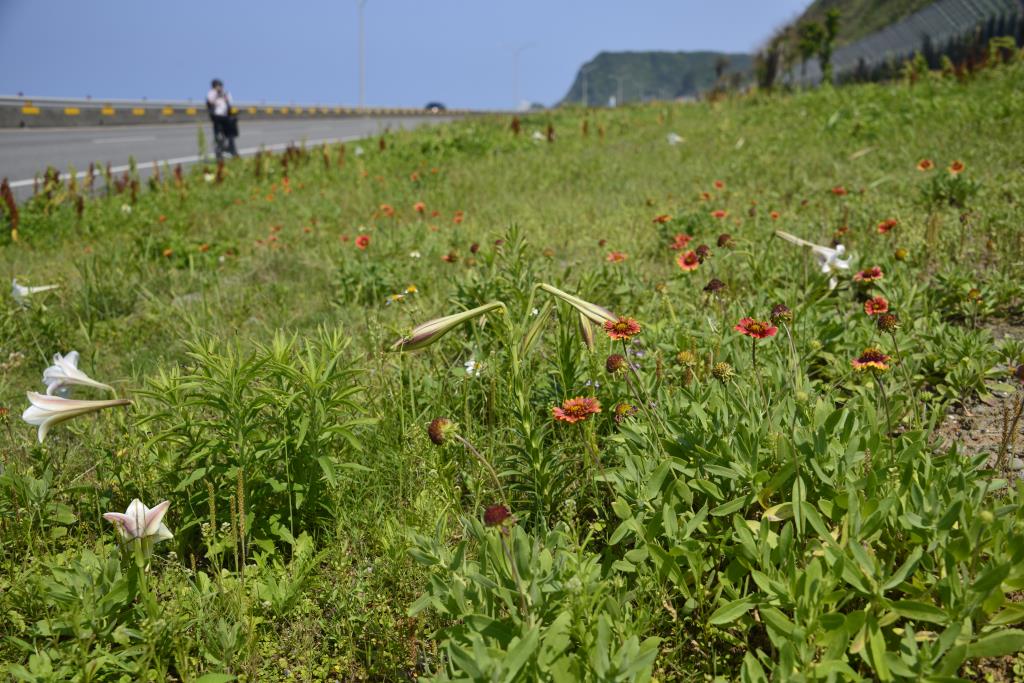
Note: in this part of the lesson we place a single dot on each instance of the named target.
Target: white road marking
(105, 141)
(248, 151)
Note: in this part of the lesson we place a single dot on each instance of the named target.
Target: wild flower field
(717, 391)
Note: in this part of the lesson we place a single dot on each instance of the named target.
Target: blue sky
(455, 51)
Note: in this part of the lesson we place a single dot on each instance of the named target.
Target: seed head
(723, 372)
(781, 313)
(901, 254)
(686, 358)
(440, 429)
(615, 363)
(725, 241)
(888, 323)
(714, 285)
(702, 252)
(495, 515)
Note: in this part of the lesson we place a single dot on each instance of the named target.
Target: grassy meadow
(828, 491)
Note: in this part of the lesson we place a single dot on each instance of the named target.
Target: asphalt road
(25, 152)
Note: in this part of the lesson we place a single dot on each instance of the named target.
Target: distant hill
(860, 18)
(637, 76)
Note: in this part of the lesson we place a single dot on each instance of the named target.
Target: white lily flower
(141, 522)
(674, 139)
(47, 411)
(21, 293)
(64, 373)
(829, 258)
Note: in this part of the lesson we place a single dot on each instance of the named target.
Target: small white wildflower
(674, 138)
(414, 254)
(359, 151)
(472, 368)
(209, 177)
(535, 312)
(126, 208)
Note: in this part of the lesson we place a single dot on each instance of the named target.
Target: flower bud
(781, 313)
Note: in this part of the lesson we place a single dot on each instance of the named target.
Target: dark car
(434, 107)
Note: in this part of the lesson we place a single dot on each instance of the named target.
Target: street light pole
(516, 51)
(362, 55)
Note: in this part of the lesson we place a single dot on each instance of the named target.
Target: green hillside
(637, 76)
(860, 18)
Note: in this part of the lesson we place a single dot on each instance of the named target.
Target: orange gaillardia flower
(616, 257)
(925, 165)
(956, 167)
(872, 358)
(758, 329)
(876, 305)
(869, 275)
(662, 219)
(774, 215)
(363, 241)
(680, 241)
(623, 328)
(577, 409)
(459, 217)
(419, 207)
(887, 225)
(688, 261)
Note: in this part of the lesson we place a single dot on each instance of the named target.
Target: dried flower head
(872, 359)
(888, 323)
(726, 241)
(781, 313)
(757, 329)
(714, 285)
(686, 358)
(440, 428)
(623, 410)
(876, 305)
(702, 251)
(615, 363)
(577, 409)
(496, 515)
(623, 328)
(722, 371)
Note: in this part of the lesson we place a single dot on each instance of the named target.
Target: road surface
(25, 152)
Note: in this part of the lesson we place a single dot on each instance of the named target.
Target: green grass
(783, 518)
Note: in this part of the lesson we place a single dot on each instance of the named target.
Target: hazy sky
(455, 51)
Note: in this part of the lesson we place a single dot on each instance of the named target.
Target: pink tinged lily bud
(587, 331)
(596, 314)
(141, 522)
(47, 411)
(427, 333)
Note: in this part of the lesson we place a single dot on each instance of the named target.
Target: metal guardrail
(939, 22)
(31, 112)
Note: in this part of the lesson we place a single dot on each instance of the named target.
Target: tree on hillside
(809, 37)
(828, 39)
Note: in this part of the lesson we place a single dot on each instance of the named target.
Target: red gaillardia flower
(719, 213)
(839, 190)
(577, 409)
(688, 261)
(663, 218)
(871, 359)
(387, 210)
(876, 305)
(719, 185)
(956, 167)
(774, 215)
(459, 217)
(758, 329)
(623, 328)
(616, 256)
(419, 207)
(869, 275)
(680, 241)
(363, 241)
(705, 196)
(887, 225)
(925, 165)
(495, 515)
